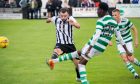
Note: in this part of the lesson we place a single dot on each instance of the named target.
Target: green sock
(66, 57)
(136, 62)
(131, 68)
(83, 75)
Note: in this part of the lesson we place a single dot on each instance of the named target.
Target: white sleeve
(73, 19)
(95, 36)
(119, 37)
(20, 3)
(53, 19)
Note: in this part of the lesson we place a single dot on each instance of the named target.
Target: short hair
(116, 10)
(103, 6)
(63, 10)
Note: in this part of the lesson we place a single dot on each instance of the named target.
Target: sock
(77, 72)
(131, 68)
(83, 75)
(136, 62)
(54, 55)
(66, 57)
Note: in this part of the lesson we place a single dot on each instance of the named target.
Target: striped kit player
(64, 31)
(64, 24)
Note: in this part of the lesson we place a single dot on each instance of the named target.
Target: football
(4, 42)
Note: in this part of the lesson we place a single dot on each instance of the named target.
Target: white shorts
(129, 46)
(92, 52)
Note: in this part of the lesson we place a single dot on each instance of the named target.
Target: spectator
(17, 2)
(7, 5)
(79, 3)
(135, 1)
(65, 4)
(25, 8)
(33, 9)
(58, 6)
(39, 2)
(126, 1)
(119, 2)
(105, 1)
(2, 3)
(12, 3)
(92, 4)
(49, 7)
(97, 2)
(85, 3)
(72, 3)
(54, 6)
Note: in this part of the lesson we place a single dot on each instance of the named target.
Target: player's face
(64, 16)
(116, 16)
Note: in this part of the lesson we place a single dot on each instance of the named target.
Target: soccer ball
(4, 42)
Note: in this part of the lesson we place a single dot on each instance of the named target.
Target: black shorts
(66, 48)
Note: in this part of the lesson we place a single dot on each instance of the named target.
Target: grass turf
(31, 41)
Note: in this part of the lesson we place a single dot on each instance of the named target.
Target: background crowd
(32, 8)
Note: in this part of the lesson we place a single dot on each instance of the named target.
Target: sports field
(31, 41)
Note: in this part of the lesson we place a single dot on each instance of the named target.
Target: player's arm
(49, 20)
(73, 22)
(53, 19)
(95, 38)
(119, 37)
(135, 31)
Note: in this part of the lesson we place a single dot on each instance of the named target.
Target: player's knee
(125, 59)
(58, 51)
(79, 53)
(131, 58)
(83, 61)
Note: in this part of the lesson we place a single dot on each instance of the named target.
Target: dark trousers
(25, 13)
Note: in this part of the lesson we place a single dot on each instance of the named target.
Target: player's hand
(71, 22)
(48, 20)
(110, 43)
(136, 44)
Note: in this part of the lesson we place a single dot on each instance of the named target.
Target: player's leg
(129, 65)
(76, 62)
(71, 48)
(58, 50)
(126, 60)
(82, 70)
(83, 61)
(65, 57)
(56, 53)
(132, 58)
(69, 56)
(61, 58)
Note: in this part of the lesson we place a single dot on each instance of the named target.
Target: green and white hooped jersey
(107, 25)
(124, 27)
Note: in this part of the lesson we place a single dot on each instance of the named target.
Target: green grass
(31, 41)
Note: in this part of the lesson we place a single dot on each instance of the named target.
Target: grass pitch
(31, 41)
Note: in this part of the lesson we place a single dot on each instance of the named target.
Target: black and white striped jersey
(64, 31)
